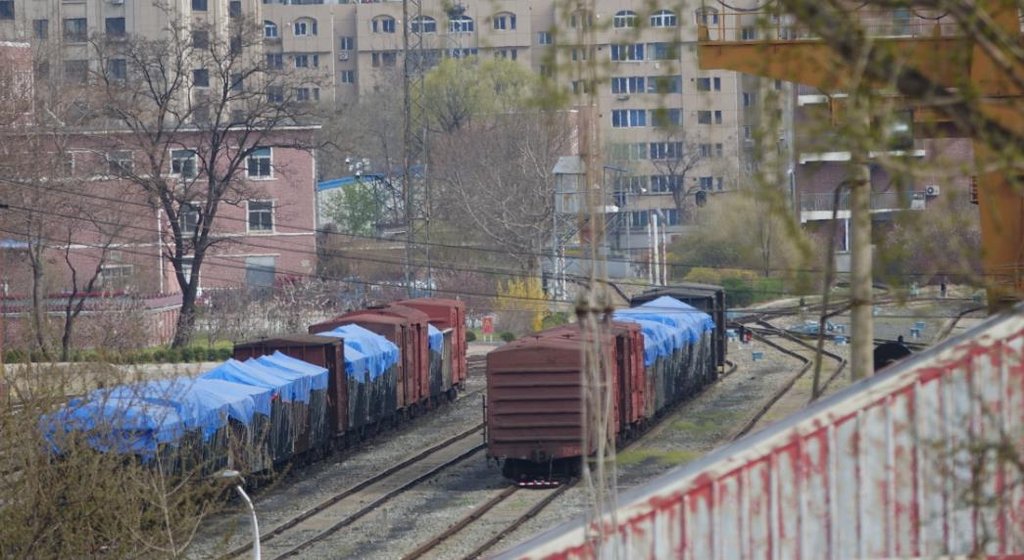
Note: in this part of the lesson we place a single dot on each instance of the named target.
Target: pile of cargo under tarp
(677, 337)
(371, 372)
(247, 416)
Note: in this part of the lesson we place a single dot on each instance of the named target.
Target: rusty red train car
(922, 460)
(448, 315)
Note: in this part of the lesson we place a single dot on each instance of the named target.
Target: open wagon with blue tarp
(371, 373)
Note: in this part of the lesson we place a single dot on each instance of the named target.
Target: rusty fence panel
(924, 460)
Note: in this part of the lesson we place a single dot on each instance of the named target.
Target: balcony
(818, 206)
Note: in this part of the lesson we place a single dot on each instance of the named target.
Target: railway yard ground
(764, 386)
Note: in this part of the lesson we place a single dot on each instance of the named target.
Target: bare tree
(674, 158)
(195, 104)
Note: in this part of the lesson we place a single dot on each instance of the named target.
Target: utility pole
(414, 131)
(862, 326)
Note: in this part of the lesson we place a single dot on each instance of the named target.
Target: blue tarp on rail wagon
(317, 374)
(381, 354)
(300, 385)
(689, 320)
(435, 338)
(289, 386)
(202, 405)
(659, 339)
(123, 425)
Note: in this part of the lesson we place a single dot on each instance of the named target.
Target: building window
(119, 162)
(748, 33)
(665, 183)
(462, 24)
(235, 8)
(270, 29)
(275, 94)
(201, 77)
(258, 164)
(703, 117)
(117, 69)
(708, 84)
(665, 84)
(544, 38)
(383, 24)
(305, 27)
(114, 27)
(705, 150)
(348, 76)
(236, 83)
(580, 87)
(748, 99)
(624, 19)
(347, 43)
(307, 61)
(706, 16)
(6, 9)
(189, 218)
(261, 215)
(183, 163)
(628, 52)
(423, 24)
(629, 118)
(116, 277)
(385, 59)
(76, 30)
(201, 39)
(307, 94)
(666, 117)
(581, 19)
(720, 183)
(719, 150)
(199, 5)
(666, 150)
(504, 21)
(718, 117)
(629, 151)
(41, 28)
(628, 84)
(664, 18)
(661, 51)
(275, 60)
(76, 71)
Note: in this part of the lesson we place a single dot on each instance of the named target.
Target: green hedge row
(145, 356)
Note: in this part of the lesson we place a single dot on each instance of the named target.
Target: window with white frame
(666, 150)
(662, 51)
(709, 84)
(261, 216)
(423, 24)
(275, 60)
(706, 183)
(304, 27)
(664, 116)
(189, 219)
(581, 19)
(307, 94)
(633, 52)
(504, 21)
(666, 183)
(628, 84)
(748, 33)
(629, 118)
(348, 76)
(544, 38)
(116, 277)
(706, 16)
(624, 19)
(665, 84)
(305, 60)
(461, 24)
(270, 29)
(258, 164)
(347, 43)
(183, 163)
(718, 117)
(664, 18)
(383, 24)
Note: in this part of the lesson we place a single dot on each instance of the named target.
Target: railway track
(291, 538)
(762, 333)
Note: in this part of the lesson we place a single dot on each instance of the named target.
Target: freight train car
(708, 298)
(285, 398)
(660, 353)
(922, 460)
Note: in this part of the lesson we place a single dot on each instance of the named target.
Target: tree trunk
(38, 313)
(187, 315)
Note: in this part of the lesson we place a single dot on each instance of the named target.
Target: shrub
(555, 319)
(507, 336)
(470, 336)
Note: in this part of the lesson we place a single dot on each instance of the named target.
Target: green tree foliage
(357, 209)
(459, 90)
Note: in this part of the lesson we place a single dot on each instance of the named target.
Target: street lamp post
(235, 477)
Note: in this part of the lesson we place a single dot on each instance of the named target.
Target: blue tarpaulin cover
(122, 425)
(380, 353)
(435, 338)
(317, 374)
(681, 324)
(289, 386)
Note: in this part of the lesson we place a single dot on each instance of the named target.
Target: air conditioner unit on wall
(932, 190)
(343, 56)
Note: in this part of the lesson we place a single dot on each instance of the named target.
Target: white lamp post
(235, 477)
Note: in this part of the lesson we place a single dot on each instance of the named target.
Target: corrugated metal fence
(923, 460)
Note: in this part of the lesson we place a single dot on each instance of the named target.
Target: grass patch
(639, 456)
(705, 424)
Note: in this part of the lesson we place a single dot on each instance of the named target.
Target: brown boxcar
(447, 314)
(534, 405)
(407, 329)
